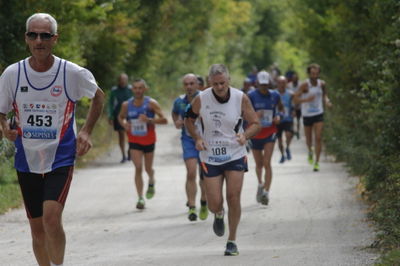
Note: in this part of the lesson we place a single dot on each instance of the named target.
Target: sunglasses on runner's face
(44, 36)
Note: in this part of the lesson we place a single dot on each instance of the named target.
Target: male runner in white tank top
(42, 91)
(312, 95)
(221, 142)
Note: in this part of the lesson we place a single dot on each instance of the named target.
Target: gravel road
(313, 218)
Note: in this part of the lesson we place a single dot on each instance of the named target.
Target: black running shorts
(310, 120)
(284, 126)
(140, 147)
(37, 188)
(117, 125)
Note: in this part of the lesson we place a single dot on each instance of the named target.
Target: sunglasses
(44, 36)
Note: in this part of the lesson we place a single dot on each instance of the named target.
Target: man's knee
(52, 223)
(214, 207)
(191, 176)
(138, 170)
(233, 197)
(149, 170)
(38, 235)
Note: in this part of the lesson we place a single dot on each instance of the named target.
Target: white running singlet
(44, 103)
(220, 120)
(314, 107)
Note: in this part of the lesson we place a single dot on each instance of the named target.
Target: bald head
(123, 80)
(190, 84)
(281, 82)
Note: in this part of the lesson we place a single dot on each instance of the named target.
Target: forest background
(356, 42)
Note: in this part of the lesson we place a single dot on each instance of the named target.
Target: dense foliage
(357, 42)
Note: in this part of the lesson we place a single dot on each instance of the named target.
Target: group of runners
(215, 137)
(217, 125)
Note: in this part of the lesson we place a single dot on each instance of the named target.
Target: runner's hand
(83, 143)
(11, 133)
(127, 125)
(143, 118)
(179, 123)
(276, 120)
(200, 145)
(241, 138)
(311, 98)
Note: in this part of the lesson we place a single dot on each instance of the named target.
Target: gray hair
(142, 81)
(45, 16)
(189, 75)
(217, 69)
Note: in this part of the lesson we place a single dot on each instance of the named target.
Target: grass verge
(10, 197)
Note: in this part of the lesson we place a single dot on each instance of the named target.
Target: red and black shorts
(37, 188)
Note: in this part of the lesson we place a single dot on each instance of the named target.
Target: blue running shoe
(288, 154)
(282, 160)
(231, 249)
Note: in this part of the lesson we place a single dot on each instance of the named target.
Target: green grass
(103, 138)
(10, 197)
(390, 259)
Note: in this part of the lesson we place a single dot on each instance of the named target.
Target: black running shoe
(219, 226)
(231, 249)
(192, 214)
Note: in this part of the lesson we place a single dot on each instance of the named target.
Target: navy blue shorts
(210, 170)
(258, 144)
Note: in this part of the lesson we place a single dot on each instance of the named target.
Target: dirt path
(312, 219)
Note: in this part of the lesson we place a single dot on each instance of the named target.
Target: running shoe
(192, 214)
(140, 204)
(259, 192)
(150, 191)
(316, 167)
(297, 135)
(123, 160)
(231, 249)
(288, 154)
(310, 157)
(282, 160)
(203, 214)
(219, 225)
(265, 199)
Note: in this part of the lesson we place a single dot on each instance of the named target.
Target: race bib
(39, 120)
(138, 128)
(312, 108)
(267, 118)
(219, 151)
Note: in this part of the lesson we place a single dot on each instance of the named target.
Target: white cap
(263, 77)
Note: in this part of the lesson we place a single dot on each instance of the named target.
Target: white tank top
(314, 107)
(45, 115)
(220, 124)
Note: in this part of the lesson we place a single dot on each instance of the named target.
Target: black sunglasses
(44, 36)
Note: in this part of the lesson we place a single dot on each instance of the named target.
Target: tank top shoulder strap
(20, 63)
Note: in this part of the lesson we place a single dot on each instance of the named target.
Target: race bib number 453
(39, 120)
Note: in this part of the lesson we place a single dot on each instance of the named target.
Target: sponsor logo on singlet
(56, 91)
